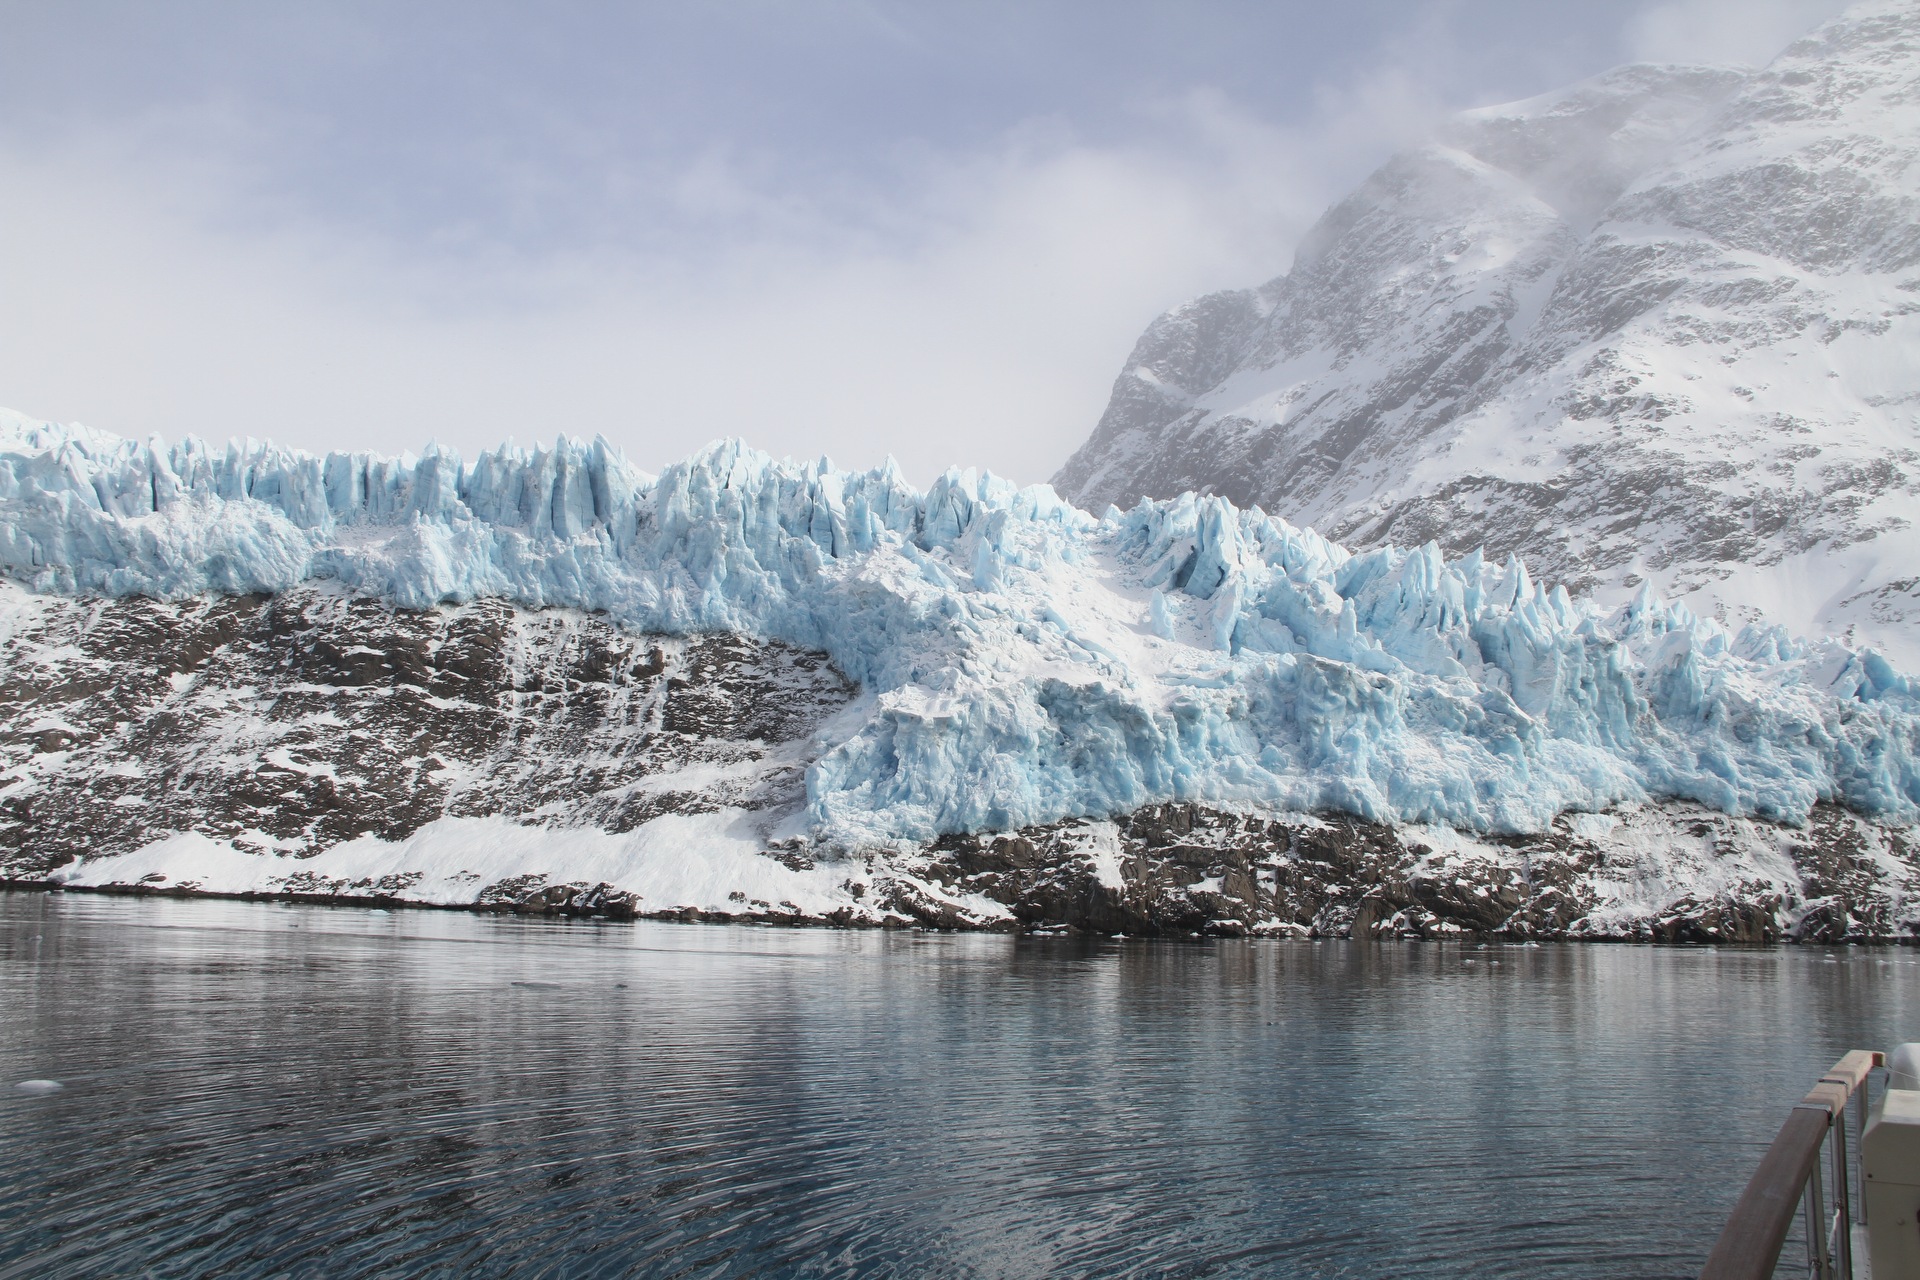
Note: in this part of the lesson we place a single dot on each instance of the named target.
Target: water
(261, 1090)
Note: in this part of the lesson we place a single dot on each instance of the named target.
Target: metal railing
(1789, 1180)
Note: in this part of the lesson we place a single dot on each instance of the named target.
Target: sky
(850, 228)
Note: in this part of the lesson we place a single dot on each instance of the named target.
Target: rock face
(312, 746)
(1656, 327)
(294, 723)
(1672, 874)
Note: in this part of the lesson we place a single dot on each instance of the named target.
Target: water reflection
(263, 1090)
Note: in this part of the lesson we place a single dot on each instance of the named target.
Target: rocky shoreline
(1186, 871)
(313, 747)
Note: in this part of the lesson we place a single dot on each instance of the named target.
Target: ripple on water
(397, 1097)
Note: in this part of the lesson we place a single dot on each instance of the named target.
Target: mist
(854, 230)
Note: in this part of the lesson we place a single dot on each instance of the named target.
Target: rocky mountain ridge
(1656, 328)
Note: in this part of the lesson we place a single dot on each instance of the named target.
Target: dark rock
(314, 718)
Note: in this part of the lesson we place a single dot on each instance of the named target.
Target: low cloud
(976, 320)
(1734, 32)
(960, 303)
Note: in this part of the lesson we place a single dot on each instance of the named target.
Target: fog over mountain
(1656, 327)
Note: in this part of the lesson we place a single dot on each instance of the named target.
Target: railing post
(1819, 1262)
(1850, 1075)
(1842, 1195)
(1860, 1151)
(1812, 1230)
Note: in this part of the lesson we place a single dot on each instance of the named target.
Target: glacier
(1022, 661)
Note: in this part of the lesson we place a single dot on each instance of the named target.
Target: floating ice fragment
(39, 1087)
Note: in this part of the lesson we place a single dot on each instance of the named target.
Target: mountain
(1659, 328)
(745, 687)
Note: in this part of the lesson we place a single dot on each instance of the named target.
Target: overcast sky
(847, 228)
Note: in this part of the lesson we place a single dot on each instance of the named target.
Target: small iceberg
(38, 1088)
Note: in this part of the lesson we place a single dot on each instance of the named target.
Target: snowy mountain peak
(1578, 149)
(1652, 328)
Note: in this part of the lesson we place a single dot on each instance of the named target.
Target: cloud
(976, 318)
(1737, 32)
(519, 234)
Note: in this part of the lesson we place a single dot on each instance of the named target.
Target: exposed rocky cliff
(290, 724)
(1657, 327)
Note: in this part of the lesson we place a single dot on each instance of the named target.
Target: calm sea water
(259, 1090)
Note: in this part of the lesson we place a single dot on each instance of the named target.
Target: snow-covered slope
(1021, 664)
(1660, 327)
(308, 719)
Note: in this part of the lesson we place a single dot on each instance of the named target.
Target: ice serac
(1021, 661)
(1658, 327)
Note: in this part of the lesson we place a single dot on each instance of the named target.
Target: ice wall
(1025, 661)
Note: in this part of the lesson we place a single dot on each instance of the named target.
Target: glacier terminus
(1181, 716)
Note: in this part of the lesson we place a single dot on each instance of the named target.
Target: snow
(1657, 326)
(710, 862)
(671, 862)
(1023, 661)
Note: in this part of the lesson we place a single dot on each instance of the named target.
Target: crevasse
(1024, 661)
